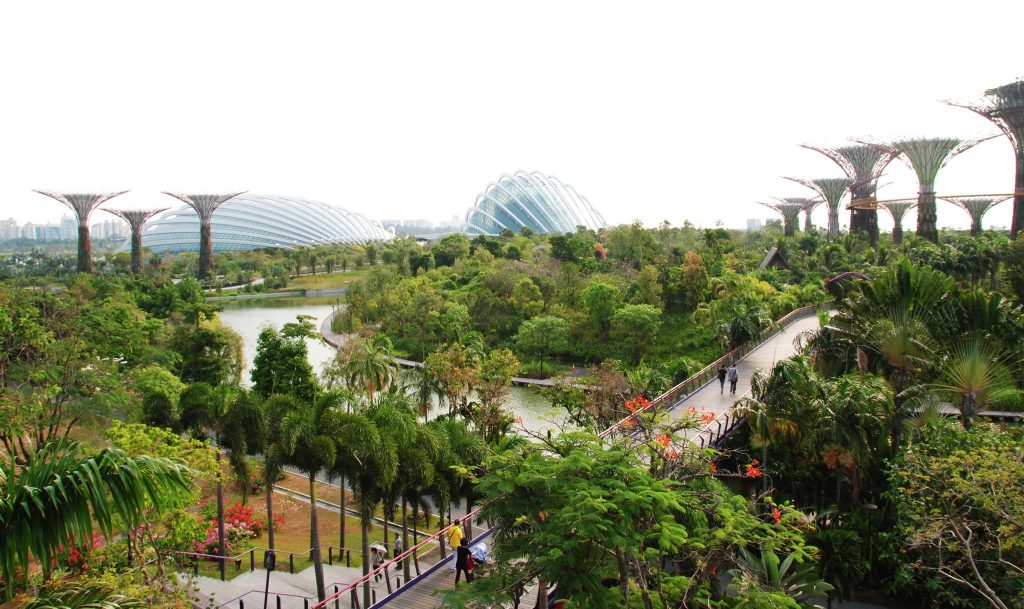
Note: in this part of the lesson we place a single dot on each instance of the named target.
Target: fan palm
(852, 409)
(976, 375)
(61, 495)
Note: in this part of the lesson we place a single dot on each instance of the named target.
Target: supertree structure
(809, 205)
(1004, 106)
(790, 210)
(897, 208)
(976, 207)
(204, 205)
(83, 204)
(863, 164)
(136, 219)
(926, 156)
(831, 191)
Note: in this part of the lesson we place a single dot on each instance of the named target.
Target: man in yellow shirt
(455, 535)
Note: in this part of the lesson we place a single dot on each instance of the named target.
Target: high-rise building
(28, 231)
(9, 229)
(754, 224)
(68, 228)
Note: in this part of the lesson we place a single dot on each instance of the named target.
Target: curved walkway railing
(706, 374)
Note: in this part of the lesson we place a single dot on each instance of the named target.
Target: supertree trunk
(1018, 199)
(789, 228)
(926, 216)
(833, 221)
(897, 232)
(865, 220)
(84, 249)
(205, 248)
(808, 225)
(137, 250)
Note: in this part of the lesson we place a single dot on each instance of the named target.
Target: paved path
(712, 399)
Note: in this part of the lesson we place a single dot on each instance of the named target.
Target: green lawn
(326, 280)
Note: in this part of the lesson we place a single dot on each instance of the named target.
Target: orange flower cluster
(630, 422)
(714, 468)
(776, 515)
(638, 403)
(671, 454)
(519, 420)
(707, 416)
(752, 471)
(664, 440)
(692, 411)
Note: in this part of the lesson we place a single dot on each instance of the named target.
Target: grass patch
(327, 280)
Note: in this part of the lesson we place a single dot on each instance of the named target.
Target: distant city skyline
(660, 111)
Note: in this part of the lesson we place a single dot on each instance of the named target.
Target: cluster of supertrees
(864, 161)
(83, 204)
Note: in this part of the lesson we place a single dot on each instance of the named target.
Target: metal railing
(195, 557)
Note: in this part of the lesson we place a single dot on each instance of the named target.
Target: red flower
(776, 514)
(664, 440)
(671, 454)
(707, 416)
(692, 411)
(714, 468)
(519, 420)
(753, 472)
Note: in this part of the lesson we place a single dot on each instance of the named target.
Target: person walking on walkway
(462, 558)
(455, 535)
(721, 378)
(734, 377)
(398, 549)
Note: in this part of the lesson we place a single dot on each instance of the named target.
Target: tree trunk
(137, 250)
(405, 538)
(926, 216)
(542, 594)
(899, 384)
(833, 221)
(1017, 224)
(897, 231)
(220, 520)
(342, 543)
(269, 491)
(415, 534)
(808, 225)
(84, 249)
(314, 539)
(365, 527)
(205, 248)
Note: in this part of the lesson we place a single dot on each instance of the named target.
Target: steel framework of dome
(252, 221)
(535, 201)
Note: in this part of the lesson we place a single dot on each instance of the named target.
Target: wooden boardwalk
(425, 591)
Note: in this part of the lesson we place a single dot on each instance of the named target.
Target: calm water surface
(248, 317)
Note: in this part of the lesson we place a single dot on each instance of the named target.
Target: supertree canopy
(790, 210)
(1004, 106)
(807, 205)
(204, 205)
(897, 208)
(863, 164)
(976, 207)
(831, 190)
(83, 204)
(926, 156)
(136, 219)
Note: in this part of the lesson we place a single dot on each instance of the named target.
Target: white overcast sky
(651, 110)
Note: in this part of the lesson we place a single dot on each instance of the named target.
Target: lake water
(248, 317)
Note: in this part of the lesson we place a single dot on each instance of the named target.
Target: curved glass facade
(533, 200)
(251, 221)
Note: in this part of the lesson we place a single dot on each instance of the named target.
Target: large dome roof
(533, 200)
(251, 221)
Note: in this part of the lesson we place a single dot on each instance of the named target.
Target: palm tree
(423, 387)
(309, 438)
(371, 369)
(253, 427)
(62, 495)
(975, 374)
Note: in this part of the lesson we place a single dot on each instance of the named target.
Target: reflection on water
(248, 317)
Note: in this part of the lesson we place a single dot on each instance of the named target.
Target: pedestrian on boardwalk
(721, 378)
(462, 562)
(398, 549)
(734, 377)
(455, 535)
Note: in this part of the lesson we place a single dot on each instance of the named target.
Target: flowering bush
(636, 404)
(244, 521)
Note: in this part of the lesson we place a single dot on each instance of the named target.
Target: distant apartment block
(755, 224)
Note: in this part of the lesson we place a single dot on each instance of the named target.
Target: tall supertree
(863, 164)
(204, 205)
(136, 219)
(790, 210)
(926, 156)
(83, 204)
(808, 209)
(1004, 106)
(831, 190)
(976, 207)
(897, 208)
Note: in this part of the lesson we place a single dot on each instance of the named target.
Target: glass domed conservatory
(540, 202)
(251, 221)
